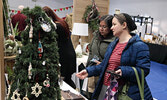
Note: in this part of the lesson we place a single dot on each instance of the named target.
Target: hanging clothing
(67, 55)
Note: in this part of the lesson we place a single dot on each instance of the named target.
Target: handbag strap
(140, 85)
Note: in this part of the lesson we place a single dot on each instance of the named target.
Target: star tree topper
(36, 87)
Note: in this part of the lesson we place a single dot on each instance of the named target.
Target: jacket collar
(134, 38)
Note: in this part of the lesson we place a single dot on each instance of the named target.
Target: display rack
(144, 21)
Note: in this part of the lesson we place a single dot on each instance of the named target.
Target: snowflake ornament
(16, 95)
(36, 87)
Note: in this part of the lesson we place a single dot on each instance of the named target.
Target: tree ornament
(35, 88)
(45, 25)
(9, 88)
(29, 70)
(16, 95)
(19, 51)
(31, 31)
(43, 63)
(40, 49)
(47, 81)
(26, 98)
(52, 21)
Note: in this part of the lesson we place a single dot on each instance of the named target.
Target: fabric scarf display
(111, 92)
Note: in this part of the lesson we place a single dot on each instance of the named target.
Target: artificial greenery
(5, 17)
(93, 23)
(16, 30)
(29, 53)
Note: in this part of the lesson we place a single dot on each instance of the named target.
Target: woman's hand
(97, 62)
(82, 74)
(119, 72)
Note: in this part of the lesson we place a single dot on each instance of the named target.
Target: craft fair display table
(158, 53)
(68, 93)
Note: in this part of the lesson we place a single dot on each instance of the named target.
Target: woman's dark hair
(108, 20)
(123, 17)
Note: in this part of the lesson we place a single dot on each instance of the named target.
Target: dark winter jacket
(66, 53)
(98, 46)
(136, 53)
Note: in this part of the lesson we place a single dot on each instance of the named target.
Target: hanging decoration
(29, 70)
(45, 25)
(40, 48)
(52, 21)
(63, 9)
(16, 95)
(35, 88)
(25, 98)
(59, 9)
(91, 16)
(46, 83)
(31, 31)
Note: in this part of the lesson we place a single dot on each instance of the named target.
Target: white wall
(154, 8)
(54, 4)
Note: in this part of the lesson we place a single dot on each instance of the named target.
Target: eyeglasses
(104, 27)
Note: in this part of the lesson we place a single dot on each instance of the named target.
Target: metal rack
(144, 20)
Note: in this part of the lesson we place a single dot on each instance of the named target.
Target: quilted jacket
(136, 53)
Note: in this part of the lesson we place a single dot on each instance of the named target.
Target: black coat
(66, 52)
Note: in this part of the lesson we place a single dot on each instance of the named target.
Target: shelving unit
(144, 21)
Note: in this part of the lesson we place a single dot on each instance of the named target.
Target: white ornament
(47, 81)
(44, 62)
(19, 51)
(46, 27)
(16, 95)
(29, 71)
(9, 88)
(31, 31)
(25, 98)
(36, 87)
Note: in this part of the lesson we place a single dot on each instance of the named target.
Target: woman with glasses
(125, 51)
(97, 48)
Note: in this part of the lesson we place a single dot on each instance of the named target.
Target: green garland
(93, 23)
(5, 17)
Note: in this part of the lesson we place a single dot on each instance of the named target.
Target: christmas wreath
(91, 16)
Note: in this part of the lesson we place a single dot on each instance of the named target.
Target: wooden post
(2, 74)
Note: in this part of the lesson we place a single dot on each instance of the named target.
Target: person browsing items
(126, 51)
(67, 55)
(97, 48)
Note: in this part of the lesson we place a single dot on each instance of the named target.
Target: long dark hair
(108, 20)
(55, 18)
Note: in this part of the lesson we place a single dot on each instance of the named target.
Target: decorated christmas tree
(36, 67)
